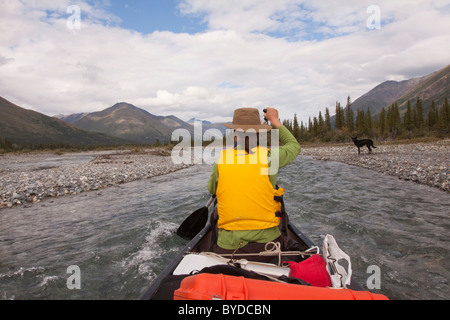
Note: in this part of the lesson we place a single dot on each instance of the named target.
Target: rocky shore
(29, 178)
(424, 163)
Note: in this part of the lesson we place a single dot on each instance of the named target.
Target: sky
(205, 58)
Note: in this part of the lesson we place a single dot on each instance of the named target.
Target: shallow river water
(122, 237)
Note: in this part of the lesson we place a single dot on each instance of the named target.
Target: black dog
(362, 143)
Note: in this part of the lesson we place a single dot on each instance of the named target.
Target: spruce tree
(339, 116)
(408, 119)
(321, 124)
(349, 120)
(288, 124)
(315, 129)
(419, 110)
(360, 116)
(444, 118)
(368, 123)
(382, 121)
(447, 111)
(393, 120)
(296, 128)
(302, 130)
(327, 120)
(396, 119)
(432, 117)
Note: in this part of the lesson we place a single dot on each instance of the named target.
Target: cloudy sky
(204, 58)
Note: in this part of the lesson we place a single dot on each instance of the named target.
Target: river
(122, 237)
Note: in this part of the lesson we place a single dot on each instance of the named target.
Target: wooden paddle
(195, 222)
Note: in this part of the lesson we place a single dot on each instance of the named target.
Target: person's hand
(272, 115)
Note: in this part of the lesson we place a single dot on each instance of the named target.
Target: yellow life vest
(245, 195)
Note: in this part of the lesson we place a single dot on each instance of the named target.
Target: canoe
(197, 274)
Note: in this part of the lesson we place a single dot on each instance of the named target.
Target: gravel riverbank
(424, 163)
(29, 178)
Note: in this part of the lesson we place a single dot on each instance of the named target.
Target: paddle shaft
(210, 202)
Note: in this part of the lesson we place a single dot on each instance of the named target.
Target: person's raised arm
(273, 116)
(291, 148)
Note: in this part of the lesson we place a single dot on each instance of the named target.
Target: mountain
(207, 125)
(22, 126)
(193, 120)
(384, 95)
(71, 118)
(435, 86)
(174, 123)
(128, 122)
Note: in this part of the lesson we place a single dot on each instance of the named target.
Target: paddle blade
(193, 224)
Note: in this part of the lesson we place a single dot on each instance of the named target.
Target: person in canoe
(249, 201)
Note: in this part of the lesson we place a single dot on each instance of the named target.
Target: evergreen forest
(389, 124)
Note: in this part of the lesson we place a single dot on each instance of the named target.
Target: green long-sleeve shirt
(230, 239)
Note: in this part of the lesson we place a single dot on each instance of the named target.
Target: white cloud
(240, 15)
(235, 63)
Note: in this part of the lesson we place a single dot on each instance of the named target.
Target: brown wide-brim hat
(246, 119)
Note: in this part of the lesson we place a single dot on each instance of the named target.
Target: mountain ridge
(434, 86)
(124, 123)
(27, 127)
(129, 122)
